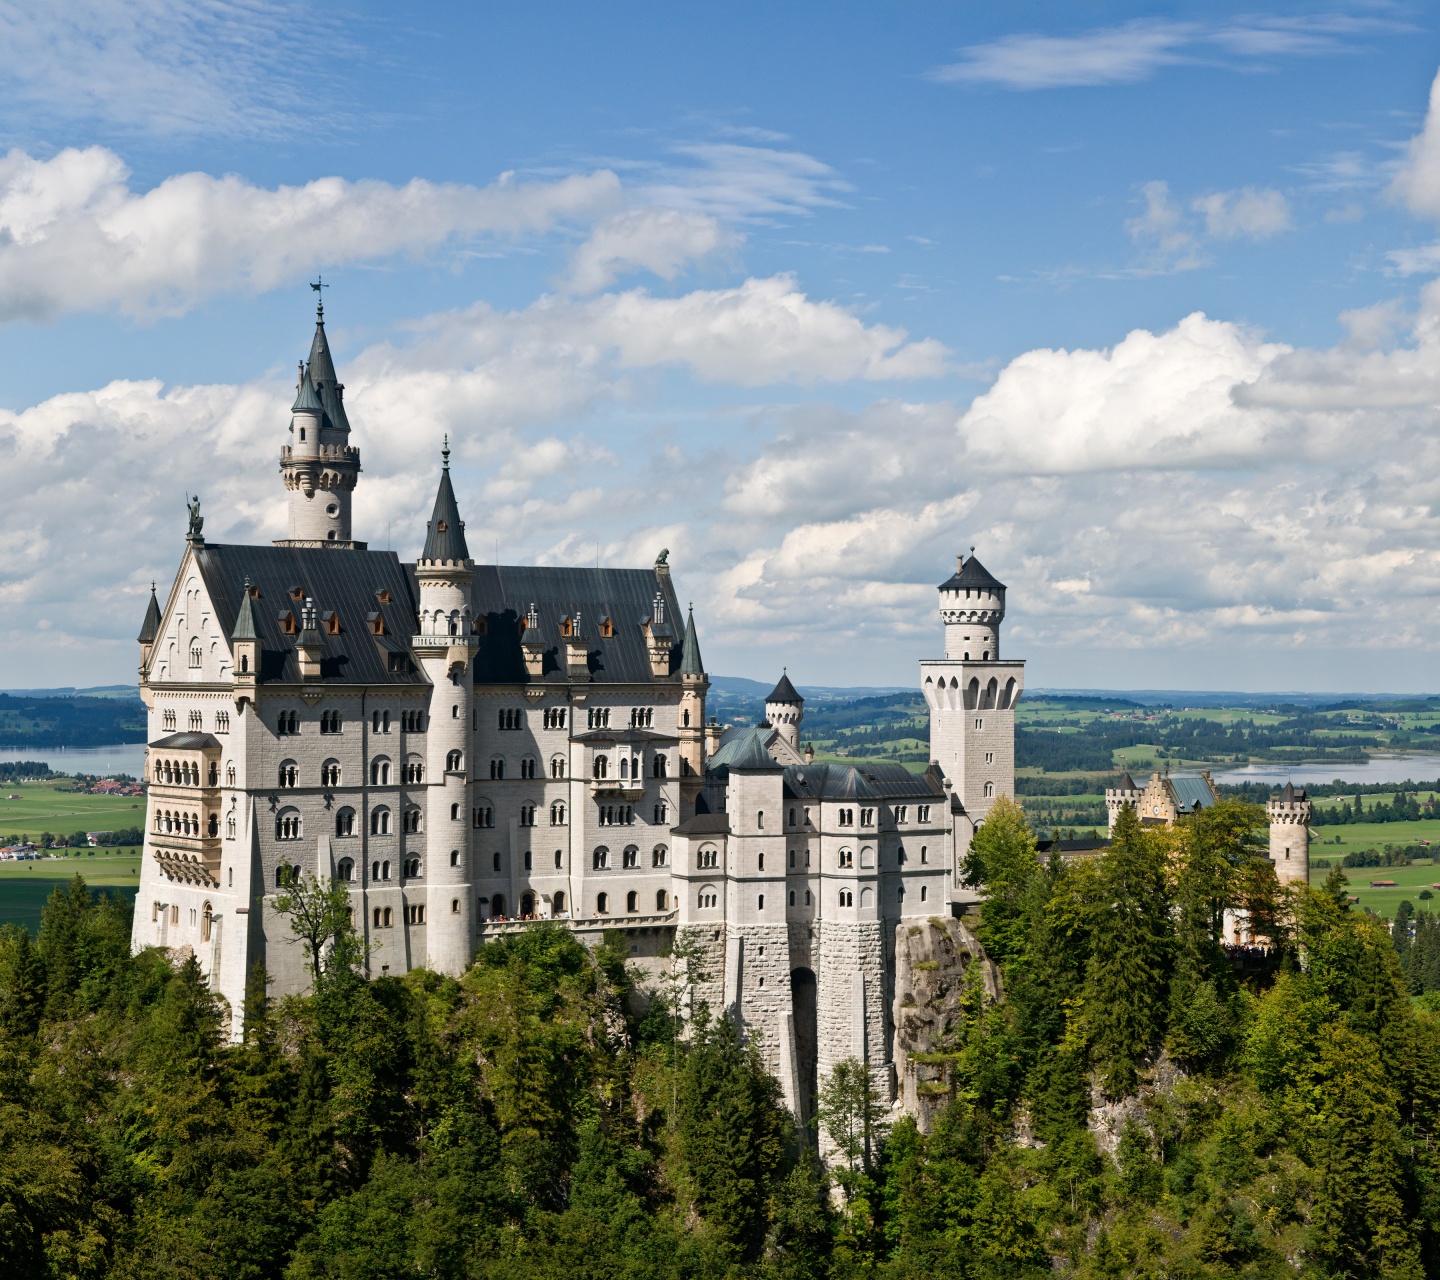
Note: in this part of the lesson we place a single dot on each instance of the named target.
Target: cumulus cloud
(661, 241)
(1172, 240)
(1254, 213)
(1417, 183)
(75, 236)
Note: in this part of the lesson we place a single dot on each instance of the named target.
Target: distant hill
(61, 719)
(99, 691)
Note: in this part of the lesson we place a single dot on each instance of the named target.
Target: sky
(1141, 302)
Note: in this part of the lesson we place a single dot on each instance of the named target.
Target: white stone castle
(470, 747)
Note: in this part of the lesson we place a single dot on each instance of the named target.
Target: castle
(469, 747)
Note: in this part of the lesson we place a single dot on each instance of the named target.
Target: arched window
(631, 857)
(989, 789)
(205, 916)
(497, 906)
(600, 860)
(527, 766)
(212, 825)
(867, 897)
(345, 870)
(378, 917)
(380, 821)
(659, 856)
(662, 765)
(557, 813)
(847, 898)
(624, 767)
(455, 812)
(214, 772)
(527, 905)
(559, 902)
(414, 770)
(760, 819)
(497, 767)
(454, 857)
(286, 874)
(385, 869)
(412, 820)
(345, 822)
(707, 899)
(602, 766)
(330, 773)
(230, 827)
(452, 762)
(527, 815)
(632, 901)
(389, 917)
(662, 900)
(287, 824)
(196, 653)
(708, 857)
(289, 773)
(557, 766)
(380, 772)
(602, 903)
(412, 868)
(847, 858)
(229, 775)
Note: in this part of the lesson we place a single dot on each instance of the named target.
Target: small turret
(310, 647)
(693, 686)
(972, 605)
(659, 638)
(1289, 815)
(1122, 793)
(149, 630)
(245, 644)
(784, 709)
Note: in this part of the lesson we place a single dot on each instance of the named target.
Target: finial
(317, 284)
(972, 550)
(445, 453)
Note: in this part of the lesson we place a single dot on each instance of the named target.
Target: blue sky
(1136, 299)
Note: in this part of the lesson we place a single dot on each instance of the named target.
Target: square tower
(972, 694)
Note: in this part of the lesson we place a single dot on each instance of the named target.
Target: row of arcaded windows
(602, 860)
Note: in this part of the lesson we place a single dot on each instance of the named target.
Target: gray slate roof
(746, 748)
(503, 595)
(150, 628)
(972, 576)
(784, 692)
(188, 742)
(320, 369)
(691, 663)
(346, 582)
(880, 780)
(1126, 783)
(704, 824)
(1191, 792)
(445, 534)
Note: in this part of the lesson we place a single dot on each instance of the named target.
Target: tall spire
(445, 534)
(245, 628)
(690, 661)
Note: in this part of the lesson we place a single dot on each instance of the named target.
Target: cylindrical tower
(972, 605)
(1289, 814)
(319, 466)
(443, 650)
(784, 710)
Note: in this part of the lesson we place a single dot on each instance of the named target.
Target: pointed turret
(784, 709)
(319, 465)
(149, 631)
(690, 661)
(784, 691)
(150, 628)
(245, 643)
(445, 534)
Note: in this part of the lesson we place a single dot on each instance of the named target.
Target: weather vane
(317, 284)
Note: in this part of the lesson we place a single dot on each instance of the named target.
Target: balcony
(199, 868)
(618, 788)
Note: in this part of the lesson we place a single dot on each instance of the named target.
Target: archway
(803, 1009)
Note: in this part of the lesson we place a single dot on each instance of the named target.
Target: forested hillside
(28, 720)
(1140, 1102)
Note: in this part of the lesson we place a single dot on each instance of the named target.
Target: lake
(1376, 769)
(129, 758)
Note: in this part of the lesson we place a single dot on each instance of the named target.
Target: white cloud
(1254, 213)
(1162, 230)
(1136, 50)
(1417, 184)
(661, 241)
(74, 236)
(737, 183)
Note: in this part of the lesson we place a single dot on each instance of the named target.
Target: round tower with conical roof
(784, 709)
(443, 649)
(320, 467)
(972, 605)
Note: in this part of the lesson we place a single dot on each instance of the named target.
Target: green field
(1409, 881)
(43, 806)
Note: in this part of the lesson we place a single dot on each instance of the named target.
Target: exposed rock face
(1109, 1116)
(932, 972)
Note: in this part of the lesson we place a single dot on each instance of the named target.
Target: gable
(191, 644)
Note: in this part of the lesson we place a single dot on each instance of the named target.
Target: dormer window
(297, 593)
(377, 623)
(287, 623)
(607, 630)
(567, 626)
(332, 623)
(383, 596)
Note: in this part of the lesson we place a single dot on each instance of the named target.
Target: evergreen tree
(1128, 974)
